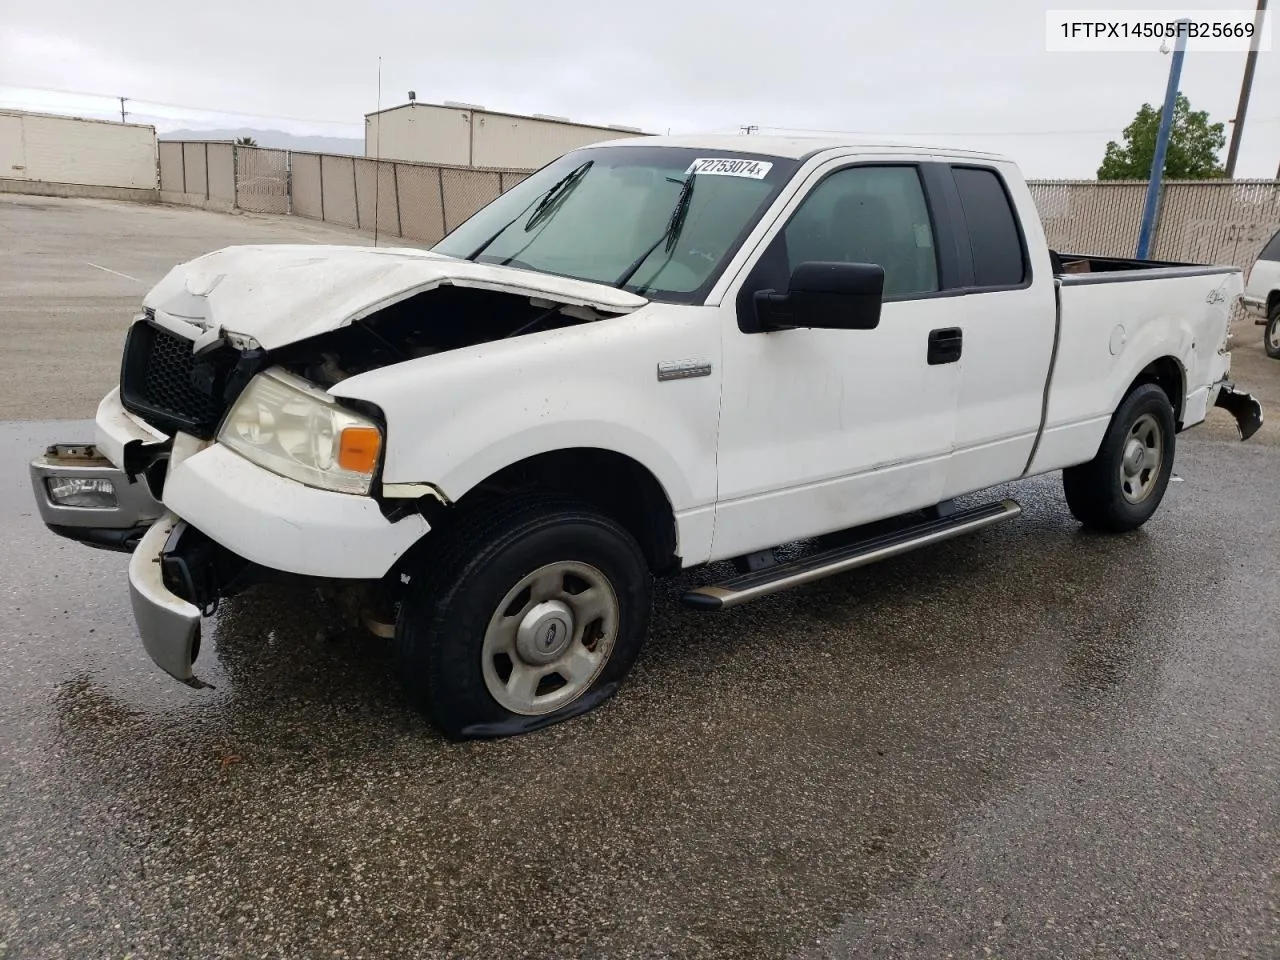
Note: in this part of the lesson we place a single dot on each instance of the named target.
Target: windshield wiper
(670, 234)
(557, 195)
(558, 189)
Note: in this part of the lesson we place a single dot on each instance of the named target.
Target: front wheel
(522, 615)
(1271, 335)
(1120, 488)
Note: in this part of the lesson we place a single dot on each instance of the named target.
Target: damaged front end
(168, 623)
(156, 458)
(444, 318)
(83, 496)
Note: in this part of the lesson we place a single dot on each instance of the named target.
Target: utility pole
(749, 128)
(122, 100)
(1246, 86)
(1162, 144)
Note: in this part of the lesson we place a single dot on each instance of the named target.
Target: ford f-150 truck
(650, 355)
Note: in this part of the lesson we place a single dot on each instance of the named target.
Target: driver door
(821, 430)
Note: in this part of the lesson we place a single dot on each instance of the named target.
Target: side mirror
(828, 296)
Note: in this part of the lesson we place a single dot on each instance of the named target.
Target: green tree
(246, 142)
(1193, 146)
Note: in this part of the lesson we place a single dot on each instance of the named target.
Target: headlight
(292, 428)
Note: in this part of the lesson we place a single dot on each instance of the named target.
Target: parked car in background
(1262, 294)
(650, 355)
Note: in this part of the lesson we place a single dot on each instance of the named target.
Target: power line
(753, 128)
(969, 133)
(184, 106)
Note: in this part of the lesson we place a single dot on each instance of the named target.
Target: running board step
(782, 576)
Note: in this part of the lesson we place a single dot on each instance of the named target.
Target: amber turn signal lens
(358, 449)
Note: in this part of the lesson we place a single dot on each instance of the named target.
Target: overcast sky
(973, 74)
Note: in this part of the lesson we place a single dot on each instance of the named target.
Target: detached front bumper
(122, 511)
(176, 577)
(128, 518)
(202, 522)
(168, 625)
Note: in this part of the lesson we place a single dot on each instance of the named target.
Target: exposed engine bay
(435, 321)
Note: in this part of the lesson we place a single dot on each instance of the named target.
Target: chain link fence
(262, 179)
(1210, 221)
(1213, 221)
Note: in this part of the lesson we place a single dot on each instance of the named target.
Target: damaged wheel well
(617, 484)
(1166, 373)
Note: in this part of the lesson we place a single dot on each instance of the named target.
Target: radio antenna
(377, 158)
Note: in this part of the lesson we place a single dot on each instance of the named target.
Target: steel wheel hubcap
(1273, 334)
(550, 637)
(544, 632)
(1142, 458)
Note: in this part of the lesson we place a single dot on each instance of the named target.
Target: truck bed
(1076, 268)
(1112, 322)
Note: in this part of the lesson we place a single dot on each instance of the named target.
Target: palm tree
(246, 142)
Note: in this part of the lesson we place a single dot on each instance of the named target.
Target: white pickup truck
(650, 355)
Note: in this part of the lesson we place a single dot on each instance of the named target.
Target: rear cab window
(999, 250)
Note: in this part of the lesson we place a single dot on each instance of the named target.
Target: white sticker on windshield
(724, 167)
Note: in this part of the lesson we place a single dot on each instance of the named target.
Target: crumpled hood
(281, 293)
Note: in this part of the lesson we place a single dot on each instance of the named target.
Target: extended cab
(650, 355)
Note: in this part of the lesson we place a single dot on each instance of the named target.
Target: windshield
(623, 216)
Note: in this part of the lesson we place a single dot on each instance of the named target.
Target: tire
(1271, 334)
(471, 642)
(1118, 490)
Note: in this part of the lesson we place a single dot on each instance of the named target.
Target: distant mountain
(274, 138)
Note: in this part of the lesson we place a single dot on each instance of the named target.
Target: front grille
(167, 383)
(157, 383)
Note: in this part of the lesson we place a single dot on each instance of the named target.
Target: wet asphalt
(1032, 742)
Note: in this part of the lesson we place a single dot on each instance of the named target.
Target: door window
(868, 214)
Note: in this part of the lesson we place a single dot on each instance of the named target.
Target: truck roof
(794, 147)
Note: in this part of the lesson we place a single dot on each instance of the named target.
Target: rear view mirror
(828, 296)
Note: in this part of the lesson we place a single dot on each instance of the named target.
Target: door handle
(945, 345)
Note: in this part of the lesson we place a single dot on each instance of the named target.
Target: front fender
(463, 473)
(457, 418)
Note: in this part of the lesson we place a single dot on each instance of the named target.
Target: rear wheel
(522, 615)
(1271, 335)
(1120, 488)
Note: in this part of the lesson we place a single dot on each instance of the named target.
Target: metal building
(466, 135)
(50, 149)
